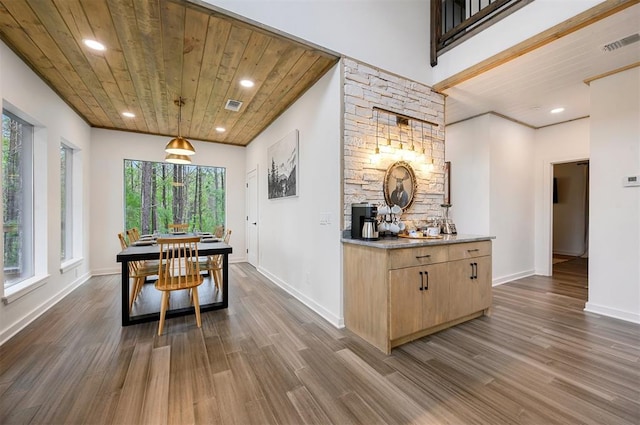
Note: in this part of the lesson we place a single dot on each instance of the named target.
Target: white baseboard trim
(569, 253)
(12, 330)
(336, 321)
(612, 312)
(104, 272)
(509, 278)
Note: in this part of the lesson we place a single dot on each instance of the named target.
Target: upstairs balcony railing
(453, 21)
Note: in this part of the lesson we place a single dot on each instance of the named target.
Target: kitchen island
(398, 290)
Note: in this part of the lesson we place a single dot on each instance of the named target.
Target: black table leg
(225, 281)
(125, 293)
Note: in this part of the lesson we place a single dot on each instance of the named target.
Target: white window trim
(70, 264)
(40, 212)
(21, 289)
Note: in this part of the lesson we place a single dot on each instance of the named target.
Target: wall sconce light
(401, 153)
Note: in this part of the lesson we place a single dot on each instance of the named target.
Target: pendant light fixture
(388, 148)
(177, 159)
(179, 146)
(410, 154)
(430, 165)
(375, 158)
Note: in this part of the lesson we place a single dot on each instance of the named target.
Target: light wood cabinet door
(418, 298)
(481, 291)
(405, 302)
(469, 286)
(435, 296)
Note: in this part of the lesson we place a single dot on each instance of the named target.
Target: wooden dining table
(151, 252)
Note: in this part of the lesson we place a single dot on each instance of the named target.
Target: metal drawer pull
(474, 271)
(422, 256)
(426, 287)
(421, 282)
(473, 250)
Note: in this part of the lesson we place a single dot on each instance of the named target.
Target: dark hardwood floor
(539, 359)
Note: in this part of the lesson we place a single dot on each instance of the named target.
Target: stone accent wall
(364, 88)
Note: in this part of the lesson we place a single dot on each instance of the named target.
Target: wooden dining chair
(179, 270)
(132, 235)
(178, 227)
(138, 271)
(213, 264)
(218, 232)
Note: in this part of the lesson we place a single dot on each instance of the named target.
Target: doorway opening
(570, 243)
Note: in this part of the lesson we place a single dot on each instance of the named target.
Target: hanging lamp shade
(179, 146)
(177, 159)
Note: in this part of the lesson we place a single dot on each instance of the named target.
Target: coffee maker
(364, 224)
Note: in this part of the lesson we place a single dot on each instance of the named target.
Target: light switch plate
(631, 181)
(325, 218)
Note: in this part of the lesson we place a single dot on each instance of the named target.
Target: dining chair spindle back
(179, 270)
(213, 264)
(179, 227)
(138, 271)
(133, 235)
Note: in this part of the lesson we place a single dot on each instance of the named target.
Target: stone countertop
(413, 243)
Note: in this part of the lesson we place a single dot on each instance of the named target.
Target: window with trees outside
(17, 196)
(158, 194)
(66, 205)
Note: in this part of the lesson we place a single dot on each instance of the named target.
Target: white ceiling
(528, 87)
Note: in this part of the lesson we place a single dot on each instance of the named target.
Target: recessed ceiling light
(95, 45)
(221, 129)
(247, 83)
(557, 110)
(129, 114)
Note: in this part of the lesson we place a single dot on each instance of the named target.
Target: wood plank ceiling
(158, 51)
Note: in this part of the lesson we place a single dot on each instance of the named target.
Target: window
(66, 204)
(157, 194)
(17, 196)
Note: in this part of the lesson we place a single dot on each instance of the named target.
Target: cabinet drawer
(460, 251)
(410, 257)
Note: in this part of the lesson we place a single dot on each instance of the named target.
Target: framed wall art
(400, 185)
(282, 167)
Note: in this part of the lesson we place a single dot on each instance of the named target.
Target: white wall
(492, 189)
(523, 24)
(467, 147)
(569, 212)
(110, 149)
(553, 145)
(512, 200)
(295, 250)
(390, 34)
(24, 93)
(614, 228)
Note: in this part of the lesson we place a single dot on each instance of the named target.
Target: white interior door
(252, 217)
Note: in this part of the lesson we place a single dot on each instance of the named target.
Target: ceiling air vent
(233, 105)
(634, 38)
